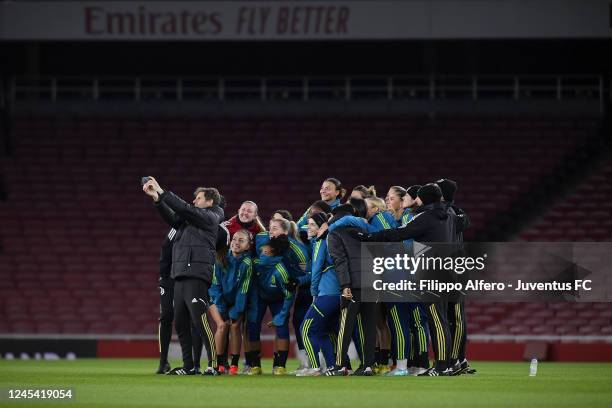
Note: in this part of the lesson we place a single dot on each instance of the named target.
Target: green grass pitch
(130, 383)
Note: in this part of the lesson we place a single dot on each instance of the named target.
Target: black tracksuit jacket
(193, 252)
(345, 250)
(431, 223)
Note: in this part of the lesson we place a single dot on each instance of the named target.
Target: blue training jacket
(407, 215)
(382, 220)
(298, 262)
(297, 255)
(271, 278)
(351, 221)
(379, 221)
(324, 279)
(302, 223)
(230, 285)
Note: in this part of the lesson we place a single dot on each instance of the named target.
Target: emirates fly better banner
(305, 20)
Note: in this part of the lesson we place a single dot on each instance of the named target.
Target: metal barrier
(506, 87)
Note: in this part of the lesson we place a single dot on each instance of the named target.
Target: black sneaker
(329, 371)
(456, 369)
(210, 371)
(163, 368)
(364, 371)
(196, 370)
(339, 372)
(431, 372)
(446, 373)
(465, 367)
(181, 371)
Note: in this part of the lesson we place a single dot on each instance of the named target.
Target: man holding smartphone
(193, 259)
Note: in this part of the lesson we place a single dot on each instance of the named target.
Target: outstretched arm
(351, 221)
(180, 210)
(200, 217)
(152, 189)
(412, 230)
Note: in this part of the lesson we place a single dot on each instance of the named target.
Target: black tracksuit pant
(166, 317)
(458, 329)
(350, 314)
(190, 306)
(439, 333)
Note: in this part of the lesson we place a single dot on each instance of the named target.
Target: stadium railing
(347, 88)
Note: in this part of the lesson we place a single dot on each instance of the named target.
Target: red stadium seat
(97, 252)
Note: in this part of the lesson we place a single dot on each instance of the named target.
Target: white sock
(304, 358)
(402, 364)
(322, 360)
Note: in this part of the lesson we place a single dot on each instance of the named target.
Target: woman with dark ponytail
(298, 264)
(228, 292)
(409, 204)
(387, 327)
(320, 323)
(419, 328)
(332, 191)
(355, 315)
(270, 280)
